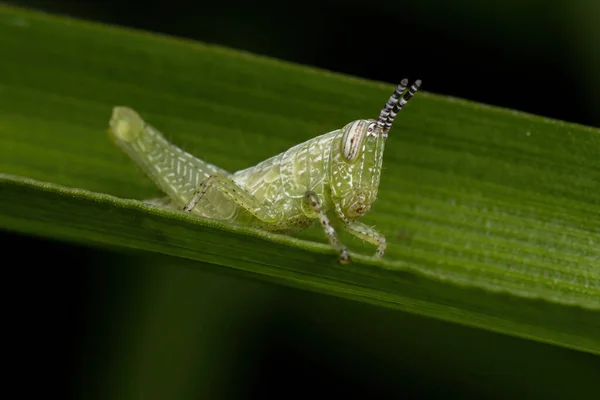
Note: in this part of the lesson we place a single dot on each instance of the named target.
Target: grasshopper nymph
(331, 178)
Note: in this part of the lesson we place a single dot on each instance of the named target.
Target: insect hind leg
(158, 201)
(233, 192)
(176, 172)
(312, 203)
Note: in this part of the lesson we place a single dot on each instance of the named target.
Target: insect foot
(381, 247)
(344, 257)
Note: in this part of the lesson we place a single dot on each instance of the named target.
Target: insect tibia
(126, 124)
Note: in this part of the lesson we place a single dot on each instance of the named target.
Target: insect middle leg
(311, 202)
(236, 193)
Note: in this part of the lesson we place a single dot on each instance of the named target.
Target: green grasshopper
(333, 177)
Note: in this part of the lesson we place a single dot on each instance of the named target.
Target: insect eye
(352, 140)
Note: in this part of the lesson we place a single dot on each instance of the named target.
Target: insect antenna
(400, 103)
(385, 112)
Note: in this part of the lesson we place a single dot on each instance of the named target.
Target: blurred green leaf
(491, 215)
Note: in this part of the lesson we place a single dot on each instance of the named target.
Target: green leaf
(491, 215)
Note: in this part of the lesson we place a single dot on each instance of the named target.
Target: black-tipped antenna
(401, 102)
(385, 113)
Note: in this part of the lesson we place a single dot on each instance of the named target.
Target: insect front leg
(236, 193)
(313, 206)
(368, 234)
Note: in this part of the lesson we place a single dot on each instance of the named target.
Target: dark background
(539, 56)
(72, 323)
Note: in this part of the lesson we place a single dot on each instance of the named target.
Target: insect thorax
(284, 179)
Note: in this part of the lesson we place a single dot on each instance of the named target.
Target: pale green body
(332, 178)
(280, 181)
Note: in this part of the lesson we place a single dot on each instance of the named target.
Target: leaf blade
(474, 200)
